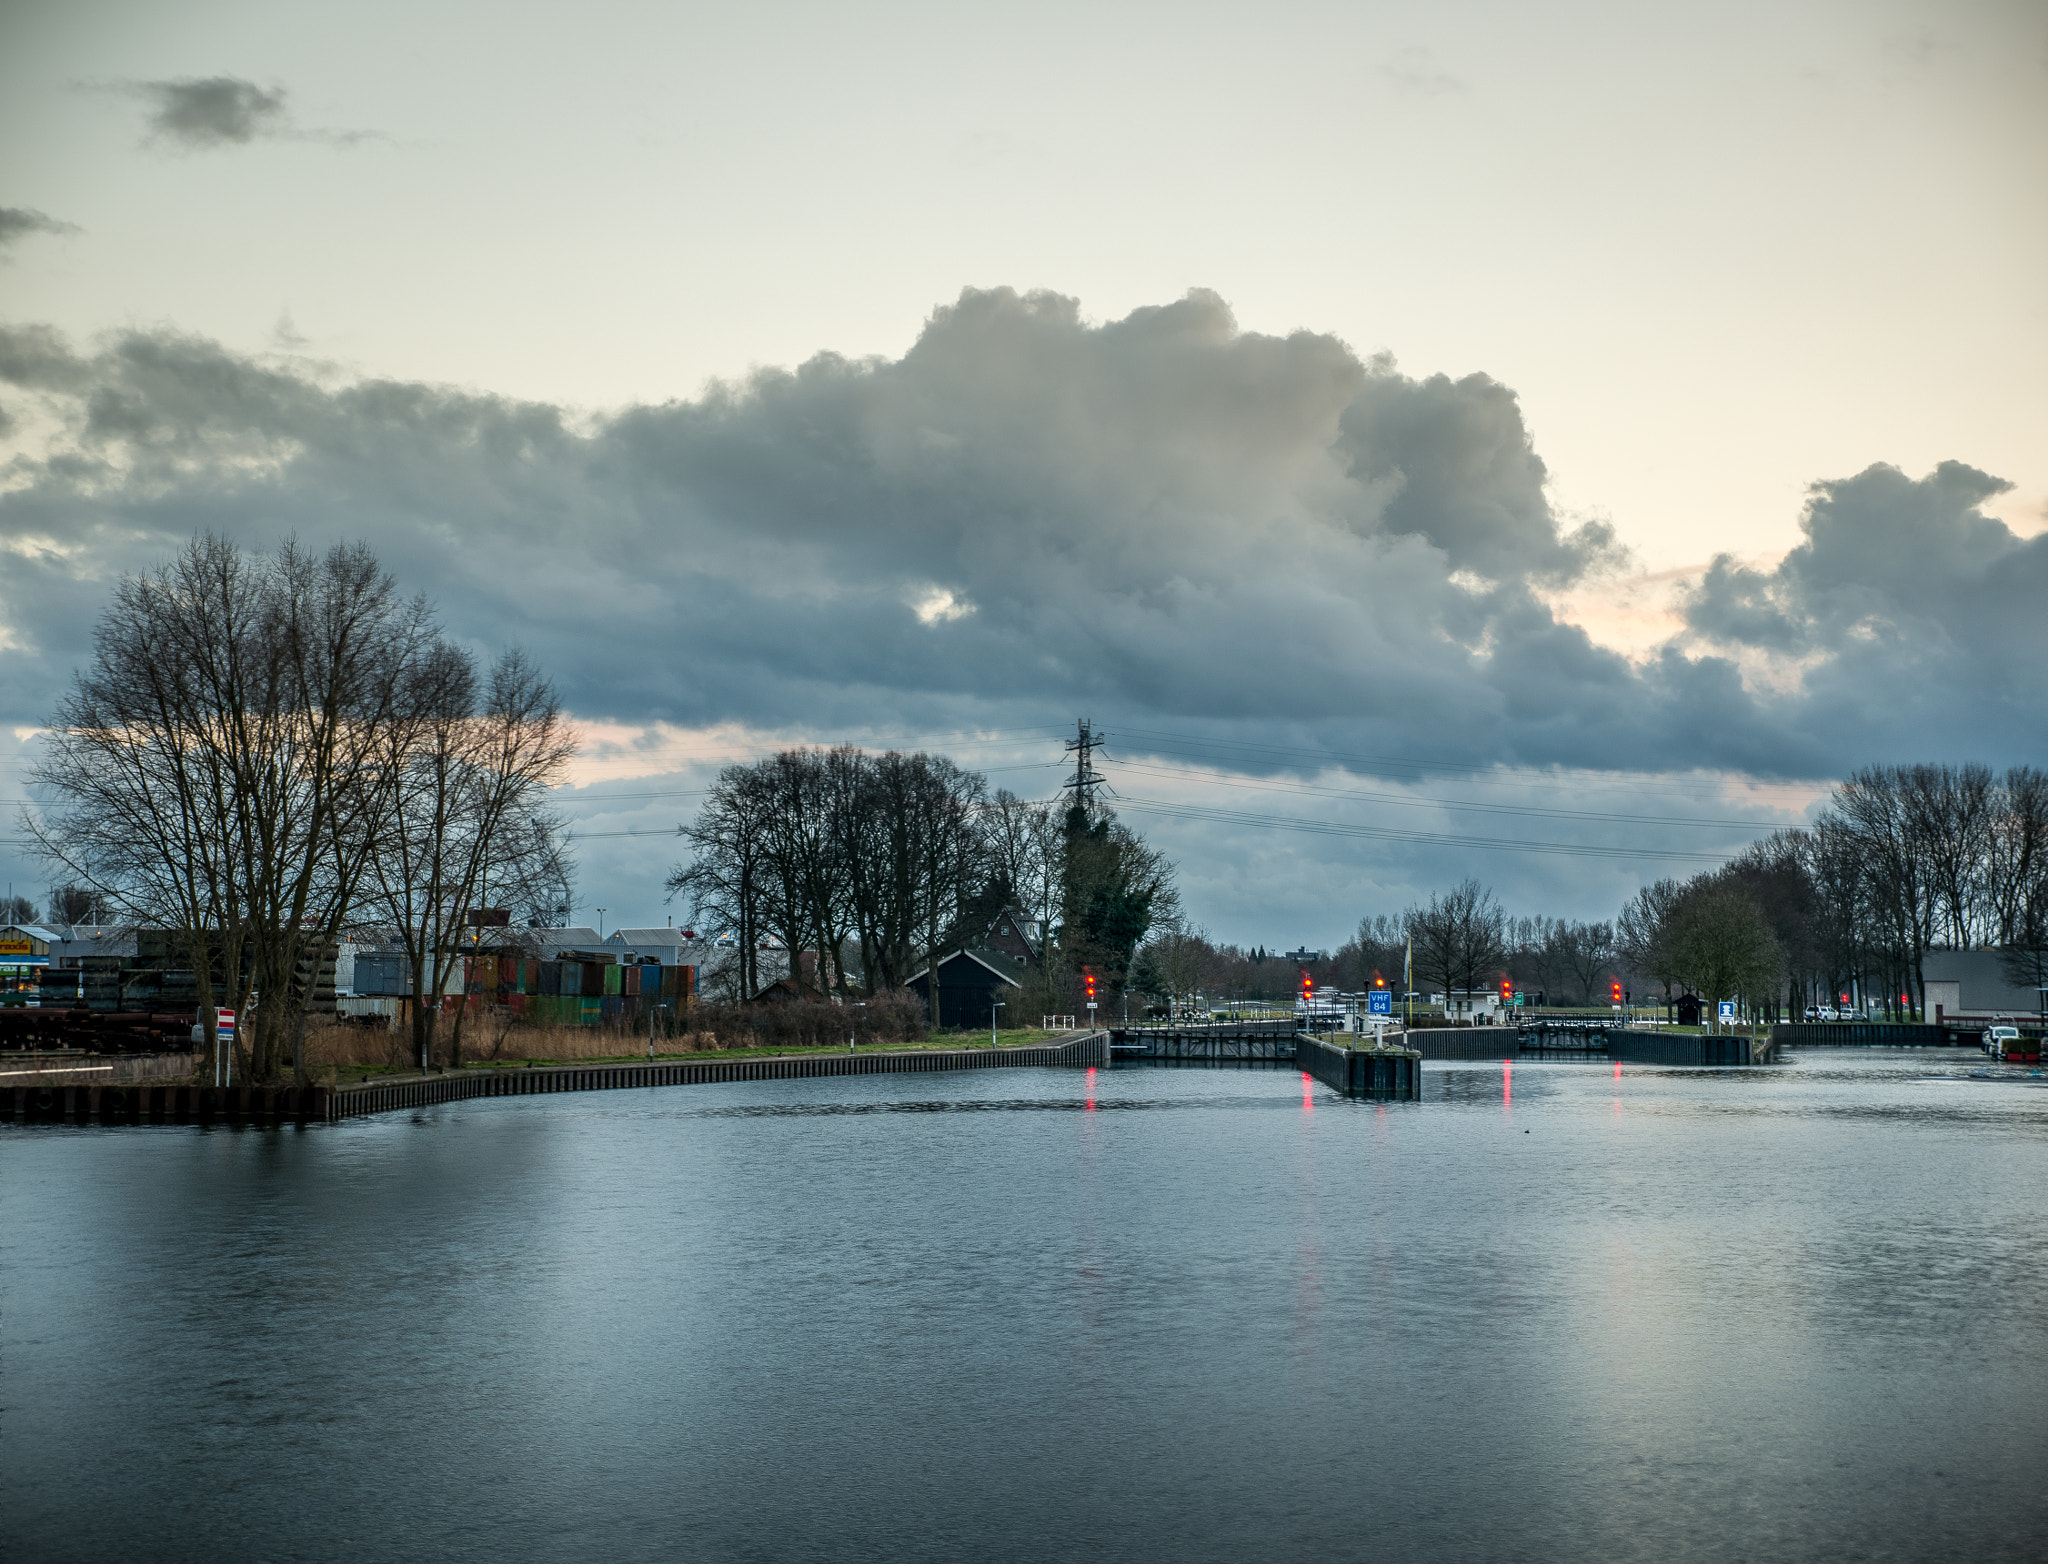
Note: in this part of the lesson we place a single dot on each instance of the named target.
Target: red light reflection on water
(1617, 1069)
(1091, 1088)
(1308, 1093)
(1507, 1085)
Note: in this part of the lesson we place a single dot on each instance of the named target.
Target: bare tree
(1022, 840)
(1722, 942)
(217, 767)
(72, 904)
(946, 853)
(1948, 811)
(724, 882)
(834, 848)
(1874, 812)
(1176, 961)
(468, 823)
(1586, 953)
(1432, 931)
(1375, 950)
(1460, 938)
(2016, 868)
(1642, 934)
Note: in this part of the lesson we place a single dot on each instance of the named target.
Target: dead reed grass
(503, 1036)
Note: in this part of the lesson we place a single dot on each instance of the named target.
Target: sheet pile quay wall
(257, 1104)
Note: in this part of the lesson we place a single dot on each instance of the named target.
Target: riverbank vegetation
(1900, 861)
(339, 1052)
(878, 859)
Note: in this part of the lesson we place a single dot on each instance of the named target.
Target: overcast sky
(1456, 429)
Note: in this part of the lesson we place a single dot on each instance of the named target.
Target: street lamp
(853, 1032)
(992, 1009)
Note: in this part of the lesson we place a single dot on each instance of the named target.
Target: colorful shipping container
(578, 993)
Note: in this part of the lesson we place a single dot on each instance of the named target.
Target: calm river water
(1144, 1313)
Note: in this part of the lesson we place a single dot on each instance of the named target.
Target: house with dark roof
(1013, 935)
(971, 984)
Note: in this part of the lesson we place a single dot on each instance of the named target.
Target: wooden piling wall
(264, 1104)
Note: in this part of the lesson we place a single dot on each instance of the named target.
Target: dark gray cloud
(1162, 520)
(1908, 610)
(202, 112)
(18, 222)
(205, 113)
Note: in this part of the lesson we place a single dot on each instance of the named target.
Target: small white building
(1474, 1006)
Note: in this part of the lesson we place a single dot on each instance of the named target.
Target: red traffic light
(1614, 988)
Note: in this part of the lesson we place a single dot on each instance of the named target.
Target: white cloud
(938, 605)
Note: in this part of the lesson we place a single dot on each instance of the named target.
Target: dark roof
(992, 960)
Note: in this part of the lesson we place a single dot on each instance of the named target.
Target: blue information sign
(1380, 1002)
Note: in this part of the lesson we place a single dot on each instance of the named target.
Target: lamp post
(994, 1006)
(600, 923)
(853, 1031)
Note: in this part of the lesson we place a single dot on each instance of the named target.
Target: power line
(1484, 772)
(1205, 813)
(1405, 801)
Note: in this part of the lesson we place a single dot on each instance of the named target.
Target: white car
(2001, 1040)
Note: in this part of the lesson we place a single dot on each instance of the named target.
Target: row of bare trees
(1902, 860)
(875, 860)
(822, 849)
(1906, 859)
(268, 750)
(1460, 939)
